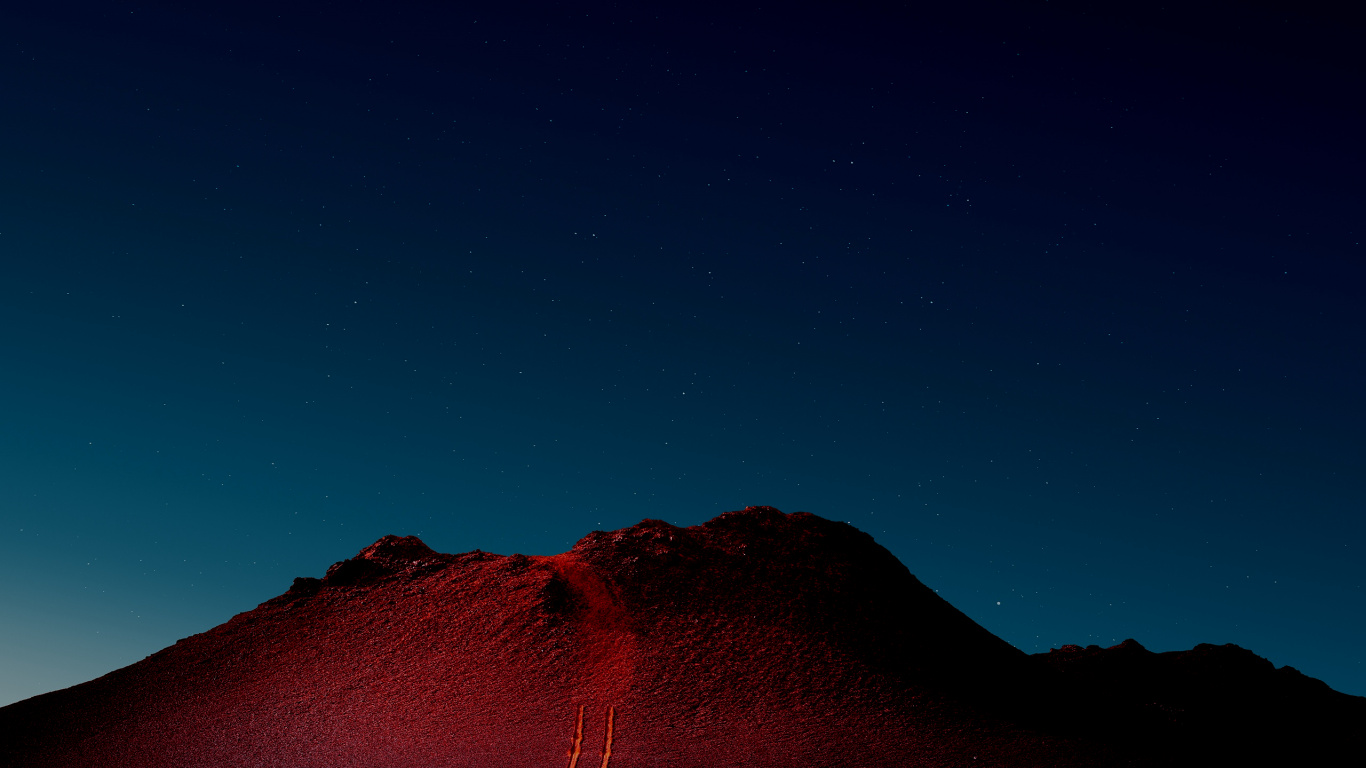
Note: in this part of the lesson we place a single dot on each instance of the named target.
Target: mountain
(756, 639)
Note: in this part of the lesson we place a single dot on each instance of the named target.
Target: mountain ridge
(757, 638)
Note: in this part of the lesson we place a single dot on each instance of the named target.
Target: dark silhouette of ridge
(755, 639)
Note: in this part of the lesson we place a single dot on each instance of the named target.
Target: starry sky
(1062, 306)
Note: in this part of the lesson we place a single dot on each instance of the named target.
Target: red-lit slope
(756, 639)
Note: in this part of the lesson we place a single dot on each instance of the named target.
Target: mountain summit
(755, 639)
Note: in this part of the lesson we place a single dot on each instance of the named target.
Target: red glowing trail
(607, 746)
(578, 740)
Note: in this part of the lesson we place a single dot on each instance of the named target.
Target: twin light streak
(576, 746)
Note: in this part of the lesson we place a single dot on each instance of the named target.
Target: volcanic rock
(756, 639)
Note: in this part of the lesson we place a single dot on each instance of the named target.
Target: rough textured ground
(756, 639)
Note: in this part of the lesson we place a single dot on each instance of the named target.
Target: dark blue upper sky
(1063, 308)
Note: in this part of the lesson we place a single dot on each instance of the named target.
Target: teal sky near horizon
(1063, 309)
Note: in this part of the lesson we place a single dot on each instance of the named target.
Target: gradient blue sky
(1063, 308)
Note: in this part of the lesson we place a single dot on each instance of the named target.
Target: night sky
(1064, 309)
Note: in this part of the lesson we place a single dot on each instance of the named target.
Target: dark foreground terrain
(756, 639)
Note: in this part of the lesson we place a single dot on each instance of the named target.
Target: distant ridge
(755, 639)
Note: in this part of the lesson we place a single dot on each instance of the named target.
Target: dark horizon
(1060, 305)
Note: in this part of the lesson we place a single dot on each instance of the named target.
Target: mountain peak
(389, 555)
(757, 638)
(393, 547)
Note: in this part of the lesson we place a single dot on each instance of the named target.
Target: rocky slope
(756, 639)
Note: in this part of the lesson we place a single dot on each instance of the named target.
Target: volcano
(756, 639)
